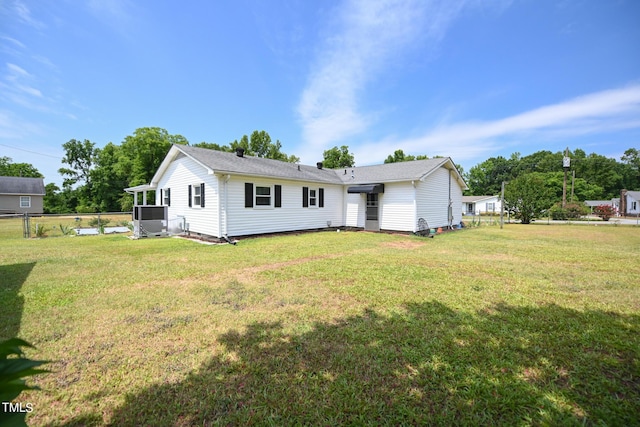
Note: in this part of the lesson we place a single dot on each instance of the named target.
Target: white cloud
(23, 14)
(364, 39)
(116, 14)
(16, 86)
(14, 42)
(606, 111)
(15, 72)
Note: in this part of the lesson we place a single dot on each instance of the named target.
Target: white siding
(291, 216)
(181, 173)
(433, 198)
(397, 207)
(633, 205)
(456, 200)
(355, 209)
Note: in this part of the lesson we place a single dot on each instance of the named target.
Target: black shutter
(305, 197)
(161, 199)
(278, 196)
(248, 195)
(321, 198)
(168, 190)
(202, 195)
(189, 196)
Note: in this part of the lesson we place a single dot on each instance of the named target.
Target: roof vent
(319, 164)
(240, 152)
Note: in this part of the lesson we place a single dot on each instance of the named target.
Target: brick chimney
(623, 202)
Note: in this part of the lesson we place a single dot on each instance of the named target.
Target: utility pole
(566, 164)
(502, 207)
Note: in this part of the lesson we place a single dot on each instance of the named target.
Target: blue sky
(469, 79)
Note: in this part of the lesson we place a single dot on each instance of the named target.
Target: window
(165, 195)
(491, 207)
(634, 206)
(196, 195)
(312, 197)
(25, 201)
(263, 196)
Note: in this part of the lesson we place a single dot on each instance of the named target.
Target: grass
(529, 325)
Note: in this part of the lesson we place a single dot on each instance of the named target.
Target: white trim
(271, 196)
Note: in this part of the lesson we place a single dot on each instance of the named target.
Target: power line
(32, 152)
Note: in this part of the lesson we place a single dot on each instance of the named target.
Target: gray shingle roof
(634, 194)
(224, 162)
(389, 172)
(25, 186)
(474, 199)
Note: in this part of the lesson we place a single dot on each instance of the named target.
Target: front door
(372, 223)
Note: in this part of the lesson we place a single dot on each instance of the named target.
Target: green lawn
(528, 325)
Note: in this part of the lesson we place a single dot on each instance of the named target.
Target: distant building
(476, 205)
(614, 203)
(629, 203)
(21, 195)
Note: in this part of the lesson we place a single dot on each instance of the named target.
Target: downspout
(415, 207)
(449, 208)
(226, 207)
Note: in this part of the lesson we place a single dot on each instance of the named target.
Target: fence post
(26, 227)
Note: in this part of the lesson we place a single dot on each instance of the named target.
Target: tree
(631, 171)
(142, 153)
(107, 179)
(259, 145)
(486, 178)
(399, 156)
(25, 170)
(213, 146)
(336, 158)
(80, 156)
(604, 172)
(526, 197)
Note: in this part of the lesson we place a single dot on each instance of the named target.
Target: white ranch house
(219, 194)
(476, 205)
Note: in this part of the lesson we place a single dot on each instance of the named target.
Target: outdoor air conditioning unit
(150, 221)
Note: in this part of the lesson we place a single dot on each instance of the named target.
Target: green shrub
(66, 230)
(40, 230)
(13, 370)
(570, 211)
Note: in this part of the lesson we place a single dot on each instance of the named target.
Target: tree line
(95, 178)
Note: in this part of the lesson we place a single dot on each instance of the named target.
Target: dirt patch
(247, 274)
(404, 244)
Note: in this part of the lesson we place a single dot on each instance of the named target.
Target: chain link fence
(50, 225)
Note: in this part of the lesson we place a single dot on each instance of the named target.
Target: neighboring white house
(629, 202)
(476, 205)
(220, 194)
(21, 195)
